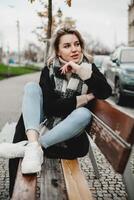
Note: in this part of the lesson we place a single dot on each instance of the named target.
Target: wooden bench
(60, 180)
(113, 133)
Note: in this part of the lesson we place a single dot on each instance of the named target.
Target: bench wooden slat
(52, 181)
(25, 186)
(115, 152)
(117, 120)
(77, 187)
(115, 144)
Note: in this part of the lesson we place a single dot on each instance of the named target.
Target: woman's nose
(73, 48)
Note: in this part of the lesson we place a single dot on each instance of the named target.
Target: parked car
(120, 73)
(101, 62)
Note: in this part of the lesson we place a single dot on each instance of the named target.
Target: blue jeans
(32, 110)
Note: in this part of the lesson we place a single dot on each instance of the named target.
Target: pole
(18, 36)
(49, 28)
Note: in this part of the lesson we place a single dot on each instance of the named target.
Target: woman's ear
(58, 54)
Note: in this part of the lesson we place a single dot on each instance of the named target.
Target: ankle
(32, 135)
(34, 143)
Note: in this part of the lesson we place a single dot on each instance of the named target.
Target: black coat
(56, 106)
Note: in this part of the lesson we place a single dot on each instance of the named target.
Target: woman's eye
(77, 44)
(67, 46)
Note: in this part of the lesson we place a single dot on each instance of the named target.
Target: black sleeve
(98, 84)
(53, 104)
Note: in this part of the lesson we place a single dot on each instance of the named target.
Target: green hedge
(9, 71)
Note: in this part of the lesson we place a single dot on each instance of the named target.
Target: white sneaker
(33, 159)
(12, 150)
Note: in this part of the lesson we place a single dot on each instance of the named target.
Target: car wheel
(118, 95)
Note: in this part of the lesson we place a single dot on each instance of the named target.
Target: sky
(104, 20)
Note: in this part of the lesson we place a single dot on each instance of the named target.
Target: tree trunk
(49, 28)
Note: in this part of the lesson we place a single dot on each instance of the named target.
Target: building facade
(131, 24)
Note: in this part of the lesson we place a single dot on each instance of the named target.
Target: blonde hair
(54, 48)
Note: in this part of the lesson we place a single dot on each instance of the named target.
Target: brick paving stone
(4, 179)
(110, 185)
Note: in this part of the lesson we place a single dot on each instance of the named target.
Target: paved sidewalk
(108, 187)
(11, 91)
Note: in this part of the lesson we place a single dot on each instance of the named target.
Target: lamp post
(18, 36)
(59, 15)
(8, 52)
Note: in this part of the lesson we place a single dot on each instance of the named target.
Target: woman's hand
(83, 99)
(70, 67)
(90, 96)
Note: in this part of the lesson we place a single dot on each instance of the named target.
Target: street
(127, 108)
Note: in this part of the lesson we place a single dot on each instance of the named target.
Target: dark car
(120, 73)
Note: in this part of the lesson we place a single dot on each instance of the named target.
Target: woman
(62, 100)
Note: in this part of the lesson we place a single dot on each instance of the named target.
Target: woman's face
(69, 48)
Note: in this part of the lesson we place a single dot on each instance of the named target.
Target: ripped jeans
(32, 110)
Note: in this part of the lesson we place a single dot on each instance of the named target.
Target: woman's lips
(75, 56)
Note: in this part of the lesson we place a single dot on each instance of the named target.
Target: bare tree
(49, 25)
(67, 1)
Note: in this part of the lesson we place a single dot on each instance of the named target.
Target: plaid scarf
(66, 85)
(69, 84)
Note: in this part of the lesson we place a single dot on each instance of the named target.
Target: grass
(9, 71)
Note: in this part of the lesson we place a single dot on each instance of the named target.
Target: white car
(102, 62)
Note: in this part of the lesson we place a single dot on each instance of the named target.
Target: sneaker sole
(30, 171)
